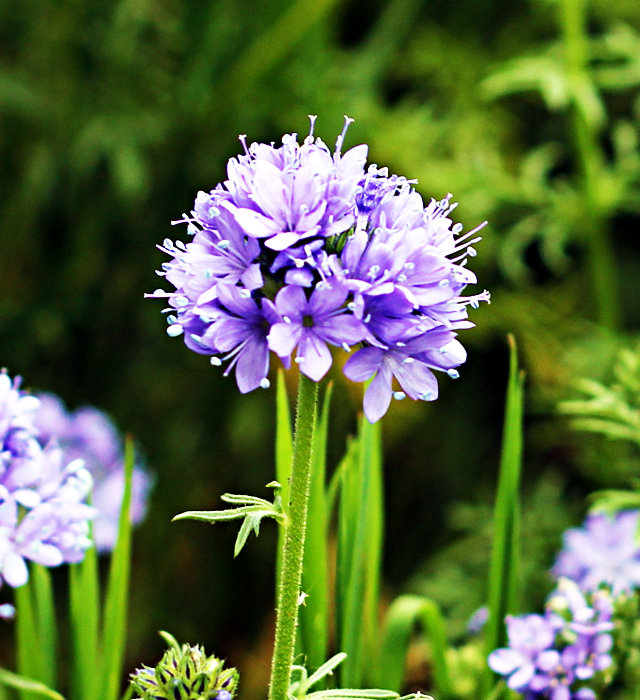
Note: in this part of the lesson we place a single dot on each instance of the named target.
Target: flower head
(185, 673)
(89, 435)
(43, 514)
(301, 249)
(553, 655)
(604, 551)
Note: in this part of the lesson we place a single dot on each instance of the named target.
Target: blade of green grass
(284, 455)
(29, 654)
(26, 685)
(503, 573)
(115, 609)
(84, 602)
(359, 541)
(402, 616)
(314, 613)
(45, 617)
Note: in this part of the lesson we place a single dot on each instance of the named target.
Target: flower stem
(293, 547)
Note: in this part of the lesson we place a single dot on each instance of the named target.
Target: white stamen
(265, 383)
(453, 373)
(175, 330)
(215, 361)
(399, 395)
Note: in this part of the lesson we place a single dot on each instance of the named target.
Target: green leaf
(114, 629)
(326, 669)
(14, 680)
(359, 543)
(284, 457)
(29, 654)
(253, 512)
(46, 622)
(84, 610)
(402, 616)
(503, 574)
(313, 629)
(374, 693)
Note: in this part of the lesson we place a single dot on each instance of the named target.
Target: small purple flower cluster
(300, 249)
(90, 435)
(43, 514)
(605, 550)
(552, 655)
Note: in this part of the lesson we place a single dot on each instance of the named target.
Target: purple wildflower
(552, 656)
(89, 435)
(604, 551)
(302, 249)
(43, 514)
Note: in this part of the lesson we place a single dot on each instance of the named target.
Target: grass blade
(28, 653)
(284, 455)
(503, 574)
(115, 610)
(46, 623)
(28, 686)
(314, 614)
(359, 543)
(404, 613)
(84, 611)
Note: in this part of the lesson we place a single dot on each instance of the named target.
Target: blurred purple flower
(551, 656)
(604, 551)
(43, 514)
(88, 434)
(319, 253)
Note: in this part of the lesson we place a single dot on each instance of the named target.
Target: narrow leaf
(403, 615)
(284, 456)
(115, 611)
(313, 627)
(84, 601)
(503, 574)
(14, 680)
(29, 654)
(46, 622)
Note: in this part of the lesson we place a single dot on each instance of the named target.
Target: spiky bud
(185, 673)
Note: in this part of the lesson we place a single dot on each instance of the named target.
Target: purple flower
(309, 324)
(529, 636)
(302, 249)
(43, 514)
(89, 435)
(604, 551)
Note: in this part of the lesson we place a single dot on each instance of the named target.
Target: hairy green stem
(293, 548)
(600, 254)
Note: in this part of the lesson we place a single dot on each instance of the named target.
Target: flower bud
(185, 673)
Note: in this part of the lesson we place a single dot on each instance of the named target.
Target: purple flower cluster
(553, 655)
(43, 514)
(301, 249)
(605, 551)
(89, 434)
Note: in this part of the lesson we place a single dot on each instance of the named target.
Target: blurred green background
(114, 113)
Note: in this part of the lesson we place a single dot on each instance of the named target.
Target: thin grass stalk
(293, 552)
(115, 609)
(314, 612)
(45, 617)
(284, 455)
(503, 574)
(359, 542)
(84, 599)
(28, 653)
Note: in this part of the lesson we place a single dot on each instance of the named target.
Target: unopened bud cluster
(185, 673)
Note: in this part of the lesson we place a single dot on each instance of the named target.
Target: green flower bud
(185, 673)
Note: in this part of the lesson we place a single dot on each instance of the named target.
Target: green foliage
(251, 510)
